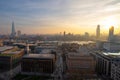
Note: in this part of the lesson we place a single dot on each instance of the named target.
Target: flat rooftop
(11, 53)
(24, 44)
(78, 56)
(45, 51)
(14, 52)
(5, 48)
(48, 47)
(109, 55)
(40, 56)
(112, 54)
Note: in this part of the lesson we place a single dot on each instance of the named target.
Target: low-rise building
(10, 59)
(38, 64)
(77, 64)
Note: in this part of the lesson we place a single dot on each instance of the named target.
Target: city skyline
(50, 17)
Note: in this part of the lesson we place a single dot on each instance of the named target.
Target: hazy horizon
(55, 16)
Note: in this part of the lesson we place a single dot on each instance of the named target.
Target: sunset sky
(54, 16)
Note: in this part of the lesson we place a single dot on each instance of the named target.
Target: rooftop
(14, 52)
(112, 54)
(10, 53)
(78, 56)
(46, 51)
(5, 48)
(48, 47)
(24, 44)
(109, 55)
(41, 56)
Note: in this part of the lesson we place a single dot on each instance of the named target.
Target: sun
(110, 21)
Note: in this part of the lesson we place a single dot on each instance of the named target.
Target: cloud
(113, 2)
(51, 13)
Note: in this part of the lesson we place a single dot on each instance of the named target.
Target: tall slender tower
(111, 33)
(98, 31)
(64, 33)
(13, 33)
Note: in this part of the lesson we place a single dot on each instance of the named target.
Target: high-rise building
(64, 33)
(98, 31)
(111, 33)
(13, 33)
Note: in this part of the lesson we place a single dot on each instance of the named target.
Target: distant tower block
(111, 33)
(98, 31)
(64, 33)
(13, 33)
(18, 33)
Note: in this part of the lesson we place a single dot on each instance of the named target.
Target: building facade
(13, 33)
(78, 64)
(104, 65)
(38, 64)
(10, 59)
(98, 31)
(111, 34)
(115, 70)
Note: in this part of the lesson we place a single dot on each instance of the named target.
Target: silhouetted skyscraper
(13, 33)
(98, 31)
(111, 33)
(64, 33)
